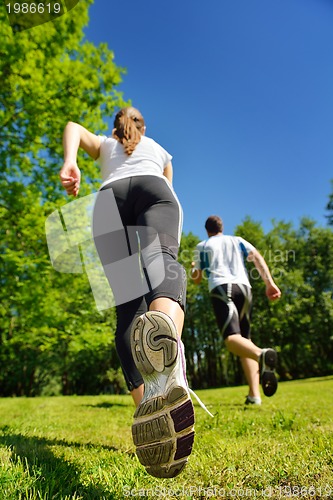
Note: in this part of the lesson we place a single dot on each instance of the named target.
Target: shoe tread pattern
(268, 378)
(269, 383)
(163, 424)
(156, 404)
(167, 471)
(270, 359)
(157, 341)
(165, 441)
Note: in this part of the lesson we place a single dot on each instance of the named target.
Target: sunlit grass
(81, 447)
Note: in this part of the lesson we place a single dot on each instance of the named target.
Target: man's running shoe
(163, 428)
(252, 400)
(267, 363)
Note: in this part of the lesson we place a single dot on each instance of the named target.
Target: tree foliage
(50, 332)
(52, 339)
(329, 207)
(299, 325)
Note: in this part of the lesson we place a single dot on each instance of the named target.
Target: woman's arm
(76, 136)
(168, 172)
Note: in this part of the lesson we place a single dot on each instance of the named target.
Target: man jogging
(221, 258)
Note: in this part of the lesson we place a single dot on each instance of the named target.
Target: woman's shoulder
(108, 143)
(107, 139)
(150, 142)
(147, 140)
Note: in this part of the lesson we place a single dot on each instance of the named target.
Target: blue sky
(240, 92)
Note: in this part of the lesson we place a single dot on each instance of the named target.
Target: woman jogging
(137, 172)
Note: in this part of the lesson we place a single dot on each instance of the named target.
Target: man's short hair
(214, 224)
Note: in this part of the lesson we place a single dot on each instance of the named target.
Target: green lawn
(81, 447)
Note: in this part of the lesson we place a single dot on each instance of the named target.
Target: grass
(73, 448)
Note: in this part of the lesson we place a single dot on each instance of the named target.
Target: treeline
(52, 338)
(299, 326)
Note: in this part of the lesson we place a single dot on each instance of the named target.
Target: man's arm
(76, 136)
(272, 290)
(196, 274)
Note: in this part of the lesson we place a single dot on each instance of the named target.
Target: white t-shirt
(221, 257)
(148, 158)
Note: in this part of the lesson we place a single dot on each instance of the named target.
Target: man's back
(222, 258)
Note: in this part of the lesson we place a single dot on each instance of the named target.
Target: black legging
(147, 207)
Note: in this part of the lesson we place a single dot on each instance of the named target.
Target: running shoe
(267, 363)
(163, 427)
(252, 400)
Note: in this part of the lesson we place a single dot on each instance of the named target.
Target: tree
(204, 355)
(51, 336)
(329, 207)
(299, 326)
(50, 75)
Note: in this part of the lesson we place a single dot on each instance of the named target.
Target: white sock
(255, 399)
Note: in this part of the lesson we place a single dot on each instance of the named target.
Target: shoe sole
(163, 422)
(269, 381)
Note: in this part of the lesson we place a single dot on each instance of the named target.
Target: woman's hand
(70, 177)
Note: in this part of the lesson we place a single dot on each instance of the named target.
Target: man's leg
(249, 355)
(267, 358)
(251, 371)
(242, 347)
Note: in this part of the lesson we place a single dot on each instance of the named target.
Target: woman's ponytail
(128, 127)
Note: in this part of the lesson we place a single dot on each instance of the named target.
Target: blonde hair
(128, 125)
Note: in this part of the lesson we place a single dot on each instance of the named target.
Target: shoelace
(203, 406)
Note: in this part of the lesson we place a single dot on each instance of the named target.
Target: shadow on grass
(54, 476)
(107, 405)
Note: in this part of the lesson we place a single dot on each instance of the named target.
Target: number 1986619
(33, 8)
